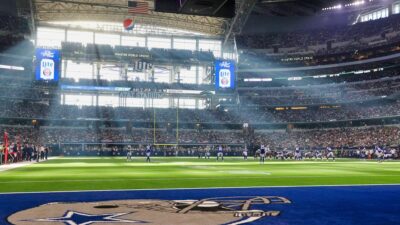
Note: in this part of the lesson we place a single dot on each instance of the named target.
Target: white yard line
(5, 167)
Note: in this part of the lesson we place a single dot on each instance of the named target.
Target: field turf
(74, 174)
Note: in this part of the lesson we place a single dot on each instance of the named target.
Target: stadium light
(294, 78)
(339, 6)
(257, 79)
(9, 67)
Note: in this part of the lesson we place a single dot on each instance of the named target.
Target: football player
(245, 153)
(262, 154)
(220, 153)
(129, 154)
(148, 153)
(318, 154)
(280, 155)
(387, 154)
(297, 154)
(330, 154)
(379, 154)
(207, 154)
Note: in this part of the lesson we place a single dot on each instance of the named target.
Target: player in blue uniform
(330, 154)
(220, 153)
(148, 153)
(262, 154)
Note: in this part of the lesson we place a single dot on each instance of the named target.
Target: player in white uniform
(318, 154)
(268, 152)
(330, 154)
(387, 154)
(245, 153)
(308, 155)
(297, 154)
(262, 154)
(280, 155)
(363, 153)
(220, 153)
(207, 154)
(129, 154)
(393, 152)
(379, 154)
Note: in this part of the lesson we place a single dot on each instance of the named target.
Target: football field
(75, 174)
(181, 191)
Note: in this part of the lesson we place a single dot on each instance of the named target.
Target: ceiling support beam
(117, 11)
(243, 11)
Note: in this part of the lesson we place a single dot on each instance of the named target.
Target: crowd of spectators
(14, 24)
(123, 53)
(55, 135)
(18, 152)
(323, 94)
(327, 45)
(317, 114)
(234, 116)
(328, 76)
(279, 139)
(16, 104)
(320, 36)
(335, 138)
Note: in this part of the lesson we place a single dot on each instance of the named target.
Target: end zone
(345, 205)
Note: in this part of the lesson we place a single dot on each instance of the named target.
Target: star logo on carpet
(77, 218)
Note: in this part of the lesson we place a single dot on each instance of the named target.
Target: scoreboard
(225, 77)
(47, 65)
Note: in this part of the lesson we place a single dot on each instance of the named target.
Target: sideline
(5, 167)
(206, 188)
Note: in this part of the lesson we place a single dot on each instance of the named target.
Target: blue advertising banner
(224, 74)
(47, 65)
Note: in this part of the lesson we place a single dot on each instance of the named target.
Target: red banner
(19, 152)
(5, 147)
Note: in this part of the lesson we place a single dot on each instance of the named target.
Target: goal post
(155, 142)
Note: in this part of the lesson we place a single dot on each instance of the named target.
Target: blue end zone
(341, 205)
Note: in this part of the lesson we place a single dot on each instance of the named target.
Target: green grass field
(70, 174)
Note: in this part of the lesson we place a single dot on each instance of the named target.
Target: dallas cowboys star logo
(77, 218)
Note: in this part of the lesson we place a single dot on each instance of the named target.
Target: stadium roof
(117, 11)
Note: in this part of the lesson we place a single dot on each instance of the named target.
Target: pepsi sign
(47, 65)
(224, 74)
